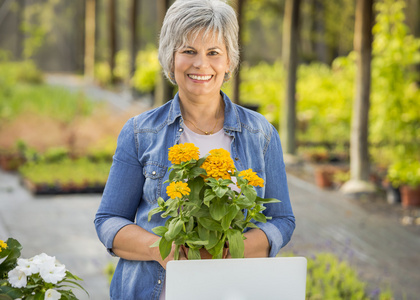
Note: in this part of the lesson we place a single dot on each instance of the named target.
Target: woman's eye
(213, 53)
(188, 52)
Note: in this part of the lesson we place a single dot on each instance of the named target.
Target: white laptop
(281, 278)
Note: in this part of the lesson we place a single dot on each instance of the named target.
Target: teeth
(195, 77)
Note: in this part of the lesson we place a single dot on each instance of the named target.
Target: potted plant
(40, 277)
(405, 174)
(207, 211)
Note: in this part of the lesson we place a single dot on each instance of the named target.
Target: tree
(164, 89)
(290, 61)
(90, 27)
(359, 154)
(112, 18)
(237, 77)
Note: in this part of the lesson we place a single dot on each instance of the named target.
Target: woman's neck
(203, 116)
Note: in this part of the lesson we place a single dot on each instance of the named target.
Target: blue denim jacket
(139, 169)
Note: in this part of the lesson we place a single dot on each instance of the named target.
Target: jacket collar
(232, 122)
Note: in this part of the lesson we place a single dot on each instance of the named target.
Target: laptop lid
(237, 279)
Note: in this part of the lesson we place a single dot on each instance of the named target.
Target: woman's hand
(156, 255)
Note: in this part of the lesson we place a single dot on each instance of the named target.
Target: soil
(41, 132)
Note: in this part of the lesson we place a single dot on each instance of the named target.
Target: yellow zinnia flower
(252, 178)
(177, 189)
(182, 153)
(3, 245)
(219, 164)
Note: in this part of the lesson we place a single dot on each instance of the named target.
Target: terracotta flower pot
(324, 177)
(410, 197)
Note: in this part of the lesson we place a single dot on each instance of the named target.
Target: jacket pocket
(154, 177)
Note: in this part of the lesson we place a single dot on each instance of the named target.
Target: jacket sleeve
(280, 228)
(123, 190)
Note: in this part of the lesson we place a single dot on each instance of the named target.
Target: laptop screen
(237, 279)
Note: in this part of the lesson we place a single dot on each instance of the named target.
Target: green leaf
(153, 211)
(210, 224)
(165, 248)
(203, 233)
(228, 218)
(196, 171)
(155, 244)
(218, 209)
(236, 243)
(194, 253)
(209, 195)
(175, 226)
(214, 237)
(267, 200)
(201, 161)
(220, 191)
(195, 185)
(260, 217)
(160, 230)
(217, 250)
(251, 225)
(250, 193)
(190, 224)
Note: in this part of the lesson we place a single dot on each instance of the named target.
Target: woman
(198, 51)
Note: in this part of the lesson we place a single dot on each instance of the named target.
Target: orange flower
(252, 178)
(178, 189)
(182, 153)
(219, 164)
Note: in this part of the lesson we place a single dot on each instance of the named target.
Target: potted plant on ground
(206, 211)
(405, 174)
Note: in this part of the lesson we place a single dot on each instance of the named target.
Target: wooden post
(237, 77)
(90, 20)
(290, 61)
(359, 154)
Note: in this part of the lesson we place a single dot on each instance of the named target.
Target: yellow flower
(219, 164)
(177, 189)
(252, 178)
(3, 245)
(182, 153)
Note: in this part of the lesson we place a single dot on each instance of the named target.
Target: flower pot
(324, 177)
(410, 197)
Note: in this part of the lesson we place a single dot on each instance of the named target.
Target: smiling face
(200, 67)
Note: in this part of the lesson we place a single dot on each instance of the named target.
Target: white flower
(52, 295)
(42, 259)
(27, 266)
(17, 278)
(52, 272)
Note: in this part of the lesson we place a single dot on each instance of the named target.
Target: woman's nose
(200, 61)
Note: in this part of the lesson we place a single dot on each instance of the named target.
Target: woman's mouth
(200, 77)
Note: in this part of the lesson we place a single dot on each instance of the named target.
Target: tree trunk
(164, 89)
(237, 77)
(134, 34)
(90, 21)
(290, 61)
(359, 152)
(112, 15)
(20, 37)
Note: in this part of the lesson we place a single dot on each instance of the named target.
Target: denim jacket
(139, 169)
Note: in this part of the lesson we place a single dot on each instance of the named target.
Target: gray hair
(187, 18)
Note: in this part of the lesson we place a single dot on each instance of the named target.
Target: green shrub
(49, 101)
(81, 171)
(147, 69)
(329, 278)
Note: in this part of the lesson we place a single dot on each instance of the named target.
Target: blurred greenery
(80, 172)
(22, 91)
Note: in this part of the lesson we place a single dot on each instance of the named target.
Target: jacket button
(159, 281)
(236, 158)
(154, 173)
(180, 129)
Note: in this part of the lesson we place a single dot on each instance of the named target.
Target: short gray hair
(190, 17)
